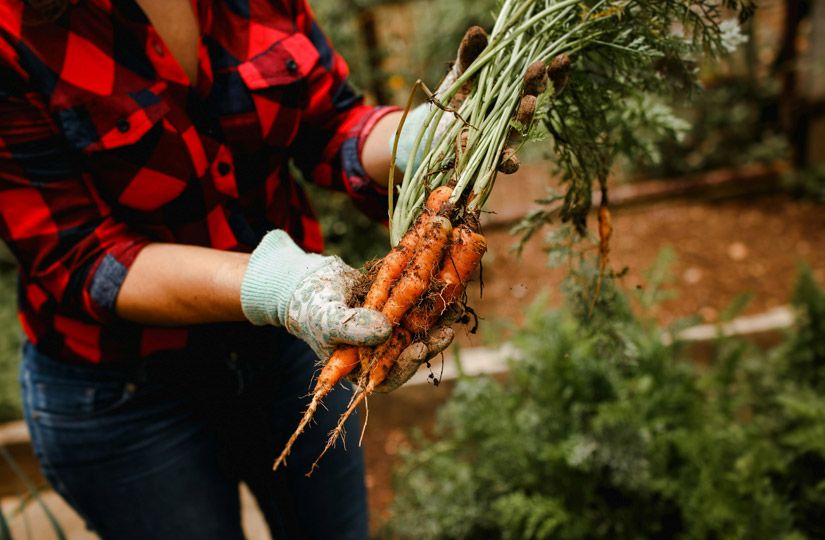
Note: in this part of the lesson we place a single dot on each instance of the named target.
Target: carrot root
(385, 356)
(341, 363)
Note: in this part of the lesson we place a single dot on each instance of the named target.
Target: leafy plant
(732, 122)
(603, 431)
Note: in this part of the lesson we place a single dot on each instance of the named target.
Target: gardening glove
(410, 360)
(472, 44)
(307, 294)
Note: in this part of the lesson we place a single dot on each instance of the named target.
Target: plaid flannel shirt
(105, 146)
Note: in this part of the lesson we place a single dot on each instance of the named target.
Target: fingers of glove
(405, 367)
(438, 340)
(355, 326)
(416, 354)
(471, 46)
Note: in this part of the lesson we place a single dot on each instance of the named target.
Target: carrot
(535, 78)
(385, 356)
(417, 276)
(339, 365)
(559, 72)
(526, 109)
(396, 260)
(415, 280)
(459, 263)
(605, 232)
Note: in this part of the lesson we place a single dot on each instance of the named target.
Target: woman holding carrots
(143, 157)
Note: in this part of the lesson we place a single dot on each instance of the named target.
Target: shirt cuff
(368, 195)
(107, 278)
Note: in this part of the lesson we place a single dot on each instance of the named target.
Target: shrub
(603, 431)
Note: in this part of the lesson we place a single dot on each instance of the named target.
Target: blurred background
(686, 401)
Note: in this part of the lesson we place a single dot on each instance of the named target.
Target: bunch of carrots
(415, 284)
(506, 97)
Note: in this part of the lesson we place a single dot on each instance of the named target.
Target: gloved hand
(417, 353)
(472, 44)
(307, 294)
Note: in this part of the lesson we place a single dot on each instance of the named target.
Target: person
(145, 151)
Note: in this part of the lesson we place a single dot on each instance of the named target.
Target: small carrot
(535, 78)
(605, 233)
(465, 253)
(339, 365)
(396, 260)
(384, 359)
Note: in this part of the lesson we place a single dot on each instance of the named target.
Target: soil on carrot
(723, 249)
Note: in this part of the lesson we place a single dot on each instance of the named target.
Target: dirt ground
(722, 248)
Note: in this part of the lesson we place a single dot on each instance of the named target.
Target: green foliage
(808, 182)
(732, 123)
(603, 431)
(10, 335)
(615, 103)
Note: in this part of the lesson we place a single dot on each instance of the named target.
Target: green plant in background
(732, 122)
(808, 182)
(10, 335)
(347, 232)
(603, 431)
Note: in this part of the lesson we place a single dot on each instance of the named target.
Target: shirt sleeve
(71, 251)
(335, 125)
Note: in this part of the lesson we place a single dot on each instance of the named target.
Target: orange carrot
(339, 365)
(394, 262)
(417, 276)
(459, 263)
(385, 356)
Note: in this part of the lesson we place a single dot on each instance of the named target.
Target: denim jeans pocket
(54, 394)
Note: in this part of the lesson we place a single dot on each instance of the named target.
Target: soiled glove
(307, 294)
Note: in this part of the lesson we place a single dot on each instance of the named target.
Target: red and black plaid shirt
(105, 146)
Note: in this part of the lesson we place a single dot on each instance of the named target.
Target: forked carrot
(465, 253)
(339, 365)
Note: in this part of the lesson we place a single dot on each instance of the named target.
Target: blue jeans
(157, 450)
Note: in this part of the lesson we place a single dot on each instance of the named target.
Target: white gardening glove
(307, 294)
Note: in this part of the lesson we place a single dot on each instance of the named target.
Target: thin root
(339, 429)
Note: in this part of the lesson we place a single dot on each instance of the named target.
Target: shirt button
(291, 65)
(224, 168)
(123, 125)
(158, 49)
